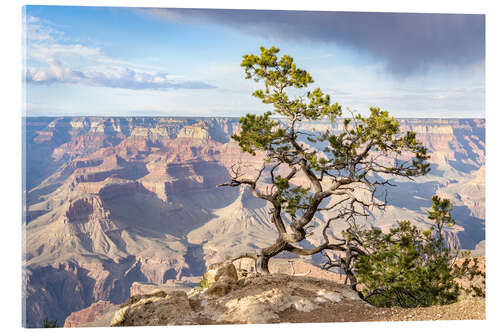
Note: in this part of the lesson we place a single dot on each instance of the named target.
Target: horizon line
(236, 117)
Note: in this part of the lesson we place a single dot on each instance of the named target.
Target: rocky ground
(472, 308)
(257, 299)
(277, 298)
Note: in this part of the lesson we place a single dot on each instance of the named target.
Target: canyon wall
(113, 201)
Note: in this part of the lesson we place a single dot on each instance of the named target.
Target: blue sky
(172, 62)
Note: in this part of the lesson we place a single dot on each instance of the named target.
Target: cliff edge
(276, 298)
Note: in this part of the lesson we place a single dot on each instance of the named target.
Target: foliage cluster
(204, 284)
(408, 267)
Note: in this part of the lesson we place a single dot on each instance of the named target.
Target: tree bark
(269, 252)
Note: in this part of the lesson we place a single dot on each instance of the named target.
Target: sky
(113, 61)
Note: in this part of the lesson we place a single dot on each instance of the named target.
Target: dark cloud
(407, 42)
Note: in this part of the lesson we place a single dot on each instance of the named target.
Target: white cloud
(107, 76)
(38, 30)
(41, 51)
(94, 67)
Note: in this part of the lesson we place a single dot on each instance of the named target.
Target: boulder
(218, 270)
(155, 309)
(221, 287)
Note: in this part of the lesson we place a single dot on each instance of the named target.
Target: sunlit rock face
(115, 201)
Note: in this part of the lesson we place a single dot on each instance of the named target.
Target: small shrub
(408, 267)
(204, 284)
(49, 323)
(468, 270)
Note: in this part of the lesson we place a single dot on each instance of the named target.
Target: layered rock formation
(94, 313)
(113, 203)
(253, 300)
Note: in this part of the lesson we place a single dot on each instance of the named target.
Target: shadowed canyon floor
(111, 203)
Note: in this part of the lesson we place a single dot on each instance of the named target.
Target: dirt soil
(348, 311)
(472, 308)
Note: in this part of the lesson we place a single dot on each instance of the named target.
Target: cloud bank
(111, 77)
(407, 43)
(96, 68)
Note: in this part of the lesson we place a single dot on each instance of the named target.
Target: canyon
(114, 204)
